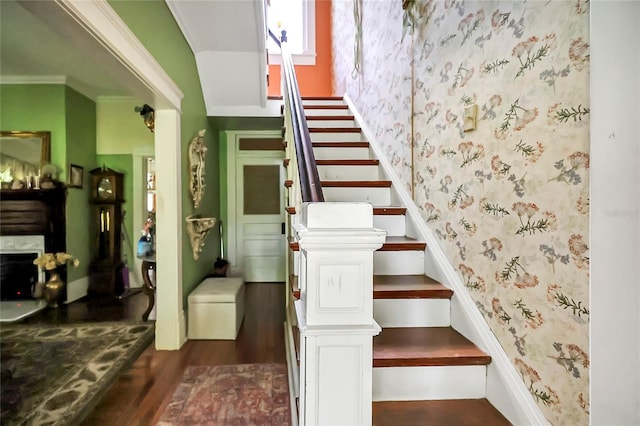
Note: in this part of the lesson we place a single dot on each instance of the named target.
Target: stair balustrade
(333, 315)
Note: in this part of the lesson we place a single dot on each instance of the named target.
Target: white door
(260, 218)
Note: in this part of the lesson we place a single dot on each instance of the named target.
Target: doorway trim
(102, 22)
(233, 152)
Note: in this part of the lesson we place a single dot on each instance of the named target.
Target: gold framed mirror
(23, 154)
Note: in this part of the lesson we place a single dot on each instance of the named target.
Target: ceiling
(41, 43)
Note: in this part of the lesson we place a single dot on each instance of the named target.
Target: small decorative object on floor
(54, 287)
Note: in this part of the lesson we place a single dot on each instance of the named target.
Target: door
(260, 218)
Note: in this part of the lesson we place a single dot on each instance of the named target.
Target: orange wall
(313, 80)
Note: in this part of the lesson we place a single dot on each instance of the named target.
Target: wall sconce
(148, 115)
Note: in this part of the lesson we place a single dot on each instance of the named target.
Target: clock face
(105, 189)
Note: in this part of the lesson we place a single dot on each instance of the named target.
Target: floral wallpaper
(509, 200)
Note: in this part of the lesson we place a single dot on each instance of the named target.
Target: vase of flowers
(53, 288)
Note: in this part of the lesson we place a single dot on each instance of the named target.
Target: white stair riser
(350, 172)
(429, 383)
(412, 312)
(296, 263)
(341, 153)
(336, 137)
(375, 196)
(326, 112)
(410, 262)
(322, 102)
(331, 123)
(393, 224)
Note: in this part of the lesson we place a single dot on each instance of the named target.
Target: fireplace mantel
(35, 212)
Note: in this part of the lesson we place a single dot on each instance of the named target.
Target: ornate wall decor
(197, 151)
(198, 228)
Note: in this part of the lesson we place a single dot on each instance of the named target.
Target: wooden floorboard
(141, 393)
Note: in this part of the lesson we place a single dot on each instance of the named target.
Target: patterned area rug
(56, 374)
(243, 395)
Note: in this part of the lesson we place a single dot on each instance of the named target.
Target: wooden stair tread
(340, 144)
(425, 346)
(408, 287)
(402, 244)
(355, 183)
(363, 162)
(322, 98)
(325, 106)
(389, 211)
(334, 130)
(459, 412)
(396, 287)
(330, 117)
(390, 244)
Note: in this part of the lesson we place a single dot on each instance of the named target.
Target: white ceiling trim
(100, 20)
(271, 109)
(46, 79)
(107, 99)
(34, 79)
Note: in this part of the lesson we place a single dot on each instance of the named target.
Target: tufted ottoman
(216, 308)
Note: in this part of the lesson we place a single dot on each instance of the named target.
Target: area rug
(241, 394)
(54, 375)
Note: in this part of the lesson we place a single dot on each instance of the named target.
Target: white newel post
(335, 312)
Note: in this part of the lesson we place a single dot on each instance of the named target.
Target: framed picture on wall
(76, 176)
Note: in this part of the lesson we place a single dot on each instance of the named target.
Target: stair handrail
(310, 186)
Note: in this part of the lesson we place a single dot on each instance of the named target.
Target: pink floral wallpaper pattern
(509, 200)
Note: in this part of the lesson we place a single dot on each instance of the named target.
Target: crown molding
(33, 79)
(115, 99)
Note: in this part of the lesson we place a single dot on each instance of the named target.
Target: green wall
(173, 53)
(71, 119)
(33, 108)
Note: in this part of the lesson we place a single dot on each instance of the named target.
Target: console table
(149, 288)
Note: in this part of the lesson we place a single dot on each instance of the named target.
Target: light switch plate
(470, 117)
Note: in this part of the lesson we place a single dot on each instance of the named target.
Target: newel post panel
(335, 312)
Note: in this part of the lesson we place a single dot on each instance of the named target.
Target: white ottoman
(216, 308)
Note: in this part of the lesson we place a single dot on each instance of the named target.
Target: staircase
(424, 371)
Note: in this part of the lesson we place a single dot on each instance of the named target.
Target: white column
(170, 321)
(335, 312)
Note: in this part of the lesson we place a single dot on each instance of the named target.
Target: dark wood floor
(141, 393)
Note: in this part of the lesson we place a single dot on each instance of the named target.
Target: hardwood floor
(141, 393)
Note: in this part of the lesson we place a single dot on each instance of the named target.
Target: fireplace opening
(18, 276)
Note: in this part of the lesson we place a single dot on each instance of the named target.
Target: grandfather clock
(105, 272)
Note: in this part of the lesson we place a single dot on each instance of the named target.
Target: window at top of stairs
(297, 17)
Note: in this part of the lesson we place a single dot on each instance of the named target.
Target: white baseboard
(505, 388)
(77, 289)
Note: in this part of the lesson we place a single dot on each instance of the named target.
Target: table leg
(149, 287)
